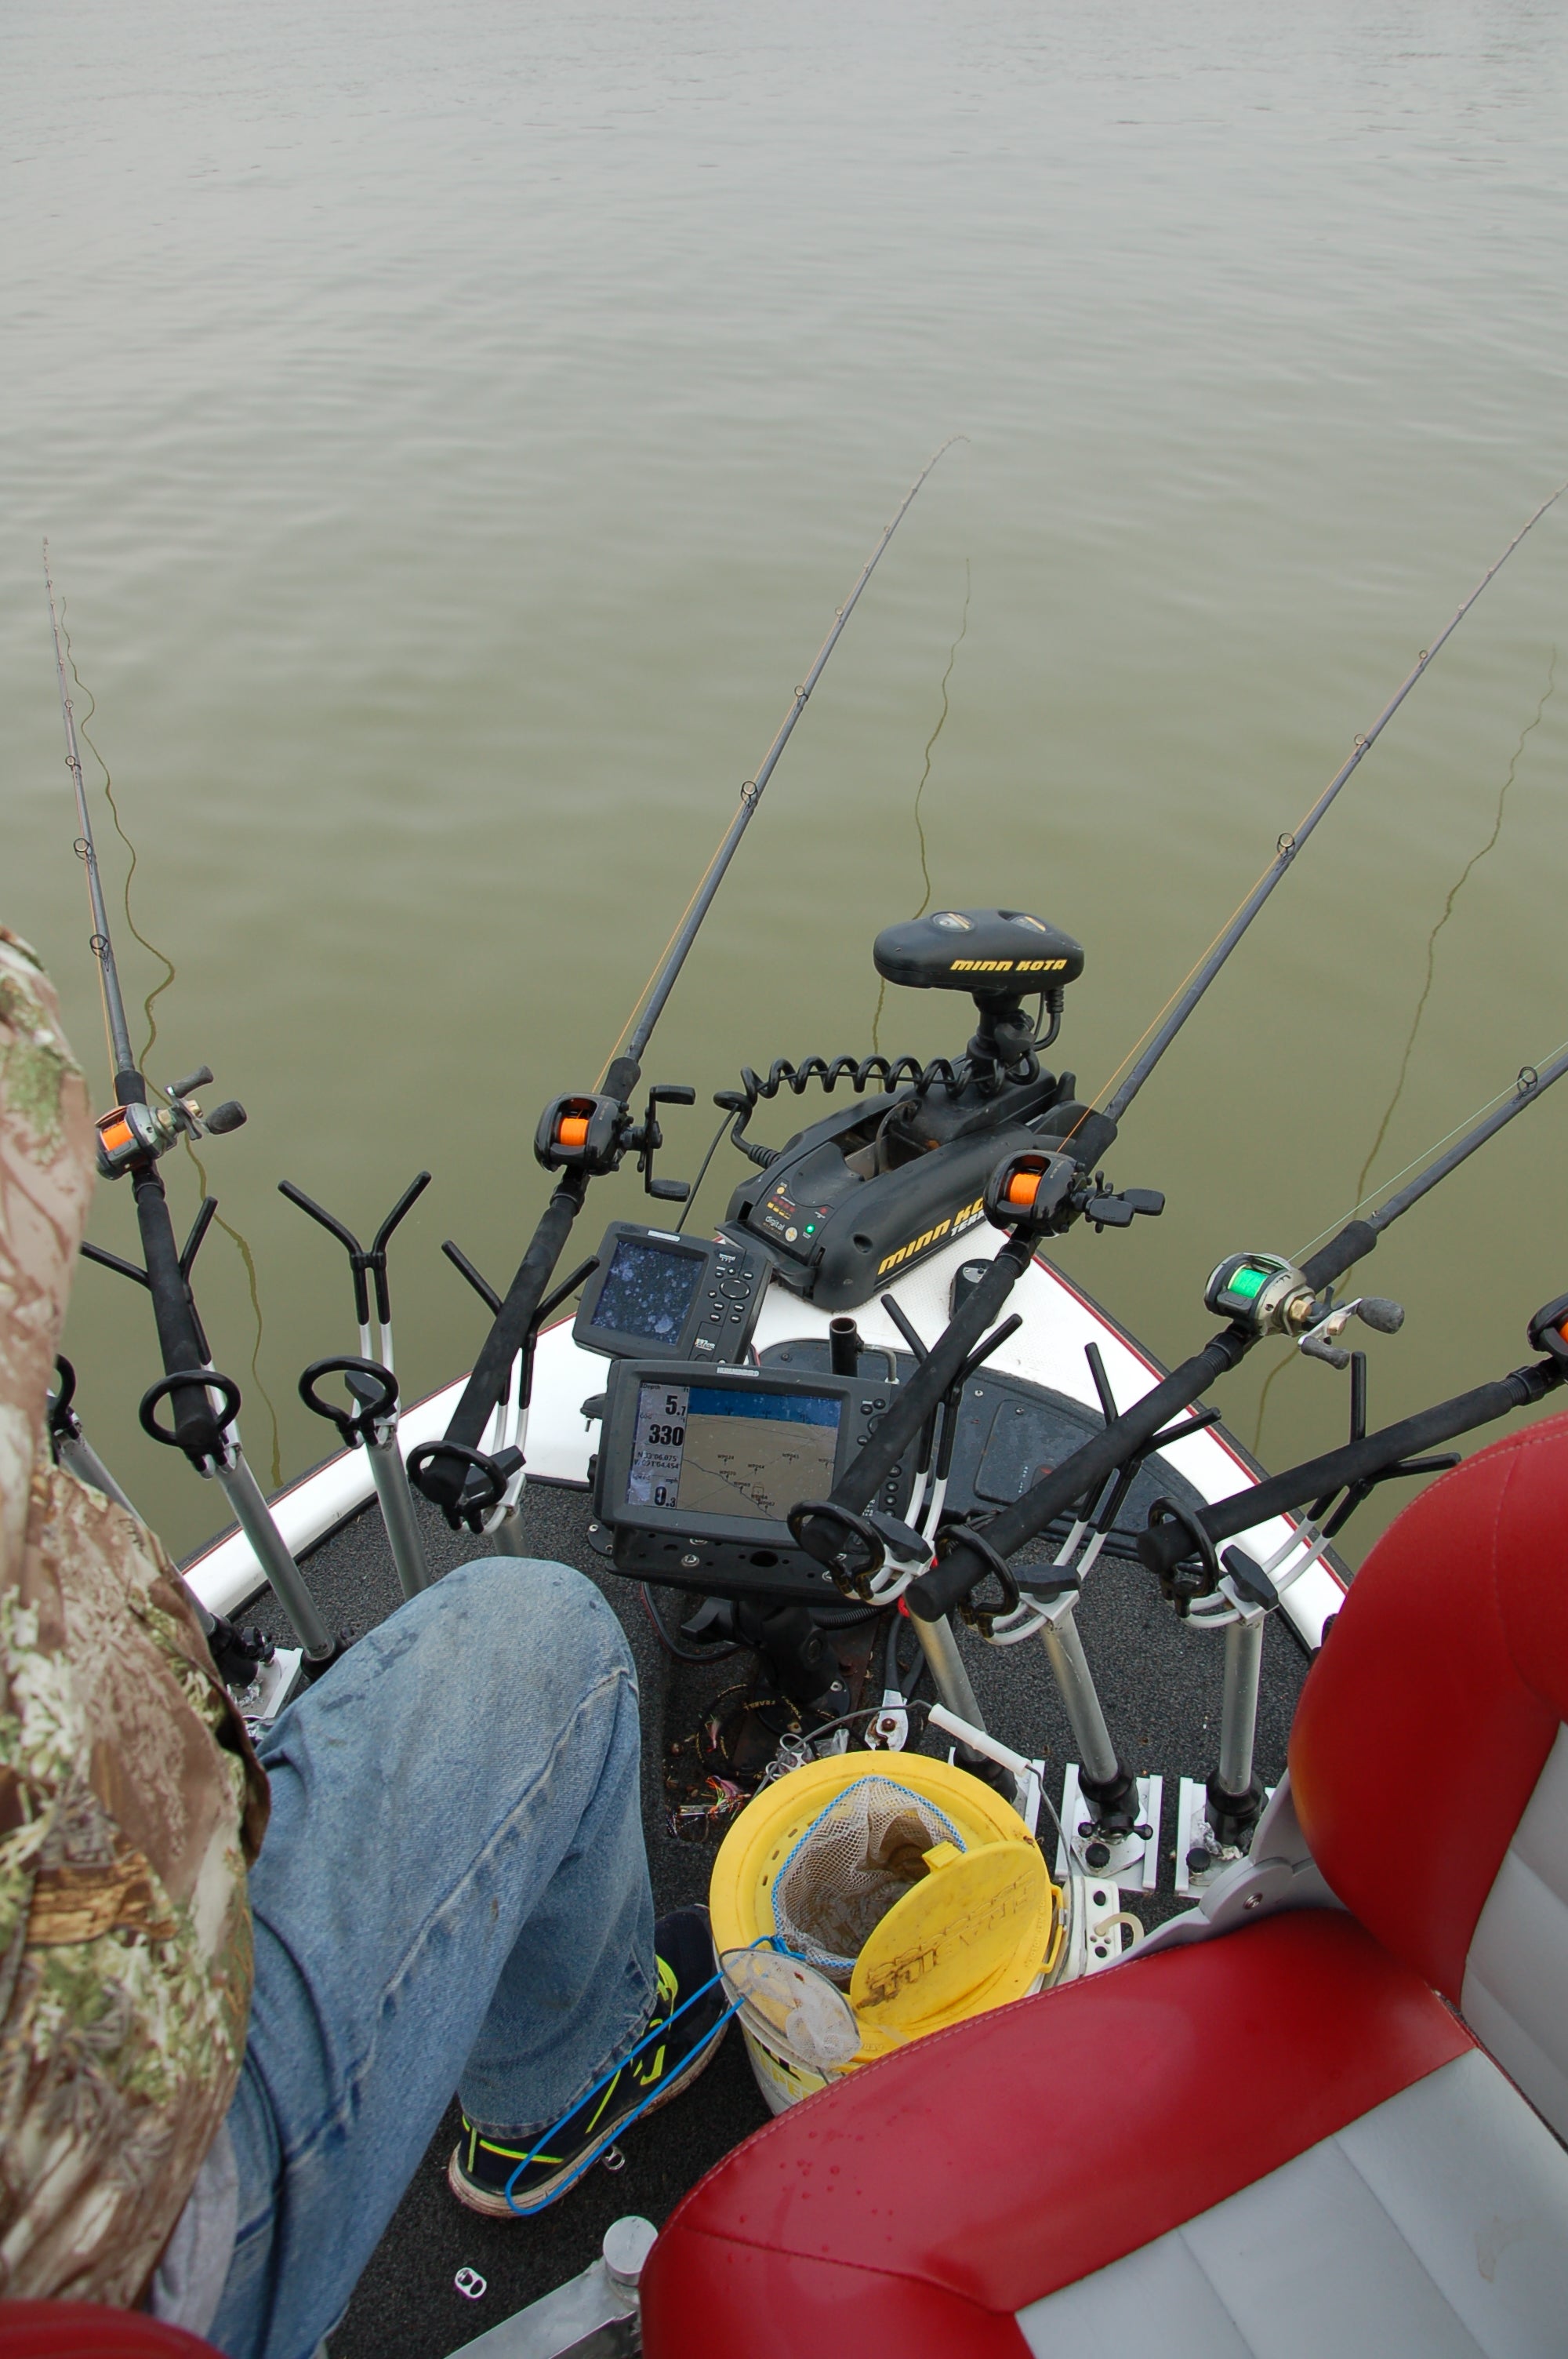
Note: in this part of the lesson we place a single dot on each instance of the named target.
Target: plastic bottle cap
(627, 2243)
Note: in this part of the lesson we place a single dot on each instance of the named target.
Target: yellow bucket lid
(971, 1934)
(999, 1950)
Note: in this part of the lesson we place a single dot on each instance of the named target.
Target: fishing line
(1277, 1370)
(1474, 862)
(1280, 1365)
(750, 788)
(919, 791)
(579, 1145)
(1520, 1087)
(151, 948)
(702, 1174)
(941, 724)
(1153, 1042)
(638, 1028)
(241, 1245)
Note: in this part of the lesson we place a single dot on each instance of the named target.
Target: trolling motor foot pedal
(1130, 1858)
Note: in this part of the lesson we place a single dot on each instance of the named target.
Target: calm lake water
(455, 428)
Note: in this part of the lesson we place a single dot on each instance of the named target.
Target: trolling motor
(876, 1187)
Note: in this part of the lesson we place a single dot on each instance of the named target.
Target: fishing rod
(1049, 1195)
(1258, 1294)
(1353, 1469)
(139, 1129)
(589, 1135)
(1192, 991)
(1237, 1593)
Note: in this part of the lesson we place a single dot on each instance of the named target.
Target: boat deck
(1159, 1684)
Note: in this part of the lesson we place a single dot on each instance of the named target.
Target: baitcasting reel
(131, 1136)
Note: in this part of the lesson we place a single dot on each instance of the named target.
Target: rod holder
(844, 1346)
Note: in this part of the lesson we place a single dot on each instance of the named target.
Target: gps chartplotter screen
(647, 1290)
(710, 1452)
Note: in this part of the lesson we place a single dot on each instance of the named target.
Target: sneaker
(482, 2167)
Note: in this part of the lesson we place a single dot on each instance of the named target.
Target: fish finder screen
(647, 1290)
(713, 1451)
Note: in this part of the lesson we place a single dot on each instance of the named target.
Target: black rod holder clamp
(375, 1393)
(365, 1261)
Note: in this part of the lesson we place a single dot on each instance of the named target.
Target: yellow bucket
(984, 1926)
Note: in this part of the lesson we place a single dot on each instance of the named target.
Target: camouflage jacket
(130, 1801)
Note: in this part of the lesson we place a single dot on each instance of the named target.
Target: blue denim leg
(453, 1890)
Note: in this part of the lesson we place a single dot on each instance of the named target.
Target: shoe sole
(549, 2191)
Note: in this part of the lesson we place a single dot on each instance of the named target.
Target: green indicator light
(811, 1228)
(1248, 1283)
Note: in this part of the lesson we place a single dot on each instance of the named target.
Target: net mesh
(859, 1855)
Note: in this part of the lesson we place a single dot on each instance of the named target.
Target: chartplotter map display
(709, 1451)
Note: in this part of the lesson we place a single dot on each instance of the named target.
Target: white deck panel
(1048, 1349)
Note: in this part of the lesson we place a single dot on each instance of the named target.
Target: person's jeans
(453, 1893)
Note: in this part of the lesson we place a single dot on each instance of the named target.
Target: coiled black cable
(887, 1073)
(953, 1074)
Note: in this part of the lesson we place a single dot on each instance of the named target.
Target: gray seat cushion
(1435, 2227)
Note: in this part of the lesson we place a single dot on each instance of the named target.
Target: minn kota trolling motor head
(847, 1204)
(1000, 957)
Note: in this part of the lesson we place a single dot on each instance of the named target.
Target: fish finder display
(710, 1451)
(647, 1290)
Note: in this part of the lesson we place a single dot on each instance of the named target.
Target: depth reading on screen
(647, 1290)
(709, 1450)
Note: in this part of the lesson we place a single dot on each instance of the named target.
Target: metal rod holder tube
(1239, 1709)
(289, 1584)
(80, 1459)
(506, 1539)
(941, 1650)
(390, 1479)
(1075, 1684)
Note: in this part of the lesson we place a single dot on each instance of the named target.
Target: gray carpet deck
(1160, 1683)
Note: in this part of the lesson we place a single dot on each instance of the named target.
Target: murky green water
(455, 428)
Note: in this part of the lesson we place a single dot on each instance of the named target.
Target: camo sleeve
(130, 1801)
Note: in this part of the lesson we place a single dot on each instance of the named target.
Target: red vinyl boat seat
(1335, 2131)
(85, 2330)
